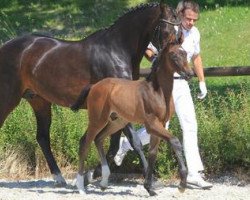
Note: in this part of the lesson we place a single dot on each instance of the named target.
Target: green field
(223, 118)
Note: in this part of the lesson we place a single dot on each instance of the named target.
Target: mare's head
(174, 59)
(168, 30)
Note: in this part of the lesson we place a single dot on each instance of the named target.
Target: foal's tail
(81, 99)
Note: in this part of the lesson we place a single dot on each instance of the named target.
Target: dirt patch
(224, 188)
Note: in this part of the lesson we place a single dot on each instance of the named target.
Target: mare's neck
(133, 32)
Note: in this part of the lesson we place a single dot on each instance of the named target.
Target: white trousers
(184, 108)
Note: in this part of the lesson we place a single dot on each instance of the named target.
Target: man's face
(189, 18)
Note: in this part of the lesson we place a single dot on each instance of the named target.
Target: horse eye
(174, 57)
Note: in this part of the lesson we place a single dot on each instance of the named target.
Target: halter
(169, 22)
(159, 28)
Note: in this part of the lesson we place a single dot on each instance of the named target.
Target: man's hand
(203, 90)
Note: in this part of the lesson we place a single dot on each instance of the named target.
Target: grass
(225, 37)
(223, 117)
(225, 40)
(68, 19)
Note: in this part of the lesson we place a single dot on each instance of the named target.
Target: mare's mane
(126, 14)
(150, 77)
(135, 9)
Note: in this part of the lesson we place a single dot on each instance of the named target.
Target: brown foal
(110, 109)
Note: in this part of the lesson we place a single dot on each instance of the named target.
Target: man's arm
(151, 52)
(198, 68)
(150, 55)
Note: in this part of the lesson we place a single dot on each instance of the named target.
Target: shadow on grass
(70, 18)
(64, 19)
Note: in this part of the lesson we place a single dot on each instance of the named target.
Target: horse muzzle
(187, 75)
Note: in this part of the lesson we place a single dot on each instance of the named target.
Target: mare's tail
(81, 99)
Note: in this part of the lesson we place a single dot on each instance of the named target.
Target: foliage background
(223, 118)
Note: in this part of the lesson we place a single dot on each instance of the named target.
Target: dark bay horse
(46, 71)
(109, 110)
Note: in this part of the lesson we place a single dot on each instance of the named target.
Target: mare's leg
(134, 141)
(10, 92)
(42, 110)
(114, 144)
(6, 106)
(136, 144)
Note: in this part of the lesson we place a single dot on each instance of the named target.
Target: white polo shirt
(191, 43)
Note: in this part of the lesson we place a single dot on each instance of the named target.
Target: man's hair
(186, 4)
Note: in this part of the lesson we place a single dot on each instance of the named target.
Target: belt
(179, 78)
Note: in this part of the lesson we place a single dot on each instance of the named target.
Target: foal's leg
(156, 128)
(177, 147)
(113, 148)
(111, 128)
(152, 154)
(104, 164)
(85, 143)
(42, 111)
(136, 144)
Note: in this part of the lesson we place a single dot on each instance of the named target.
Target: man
(183, 103)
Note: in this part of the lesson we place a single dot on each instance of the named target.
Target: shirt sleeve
(197, 42)
(152, 48)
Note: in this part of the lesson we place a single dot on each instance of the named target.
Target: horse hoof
(157, 185)
(97, 172)
(82, 192)
(59, 181)
(152, 193)
(90, 177)
(103, 186)
(181, 188)
(80, 183)
(86, 181)
(60, 184)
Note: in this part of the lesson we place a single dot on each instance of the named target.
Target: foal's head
(175, 60)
